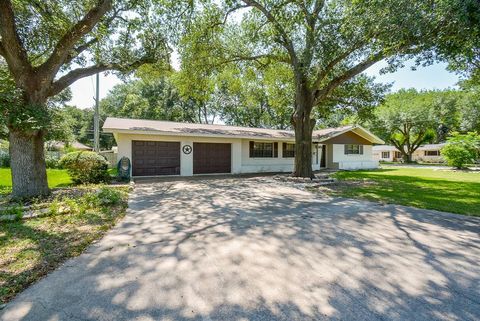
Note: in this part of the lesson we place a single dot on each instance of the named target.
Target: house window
(432, 153)
(385, 154)
(352, 149)
(288, 150)
(263, 150)
(397, 155)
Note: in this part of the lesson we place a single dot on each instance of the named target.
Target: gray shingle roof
(159, 127)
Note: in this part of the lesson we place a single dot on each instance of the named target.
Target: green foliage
(4, 158)
(86, 167)
(18, 114)
(12, 209)
(470, 108)
(461, 50)
(255, 97)
(407, 119)
(52, 162)
(61, 126)
(149, 99)
(352, 103)
(82, 125)
(462, 150)
(109, 196)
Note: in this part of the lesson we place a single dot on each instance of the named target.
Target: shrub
(86, 167)
(109, 196)
(52, 162)
(4, 158)
(461, 150)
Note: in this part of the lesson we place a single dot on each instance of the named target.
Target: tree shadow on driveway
(257, 249)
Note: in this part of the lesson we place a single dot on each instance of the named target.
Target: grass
(31, 248)
(56, 178)
(443, 190)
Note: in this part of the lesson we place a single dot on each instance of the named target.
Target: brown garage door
(211, 158)
(151, 158)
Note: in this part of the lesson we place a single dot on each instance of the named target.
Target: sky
(432, 77)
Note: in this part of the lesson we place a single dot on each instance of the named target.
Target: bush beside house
(86, 167)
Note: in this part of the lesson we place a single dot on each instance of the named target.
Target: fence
(110, 156)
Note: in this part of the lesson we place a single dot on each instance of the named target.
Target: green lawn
(443, 190)
(56, 178)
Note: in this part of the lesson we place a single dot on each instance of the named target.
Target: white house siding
(241, 162)
(352, 161)
(261, 164)
(377, 155)
(419, 155)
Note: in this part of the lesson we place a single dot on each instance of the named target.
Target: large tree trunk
(29, 175)
(407, 158)
(303, 126)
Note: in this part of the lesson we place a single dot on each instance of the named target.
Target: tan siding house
(429, 153)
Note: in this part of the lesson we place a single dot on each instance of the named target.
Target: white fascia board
(160, 133)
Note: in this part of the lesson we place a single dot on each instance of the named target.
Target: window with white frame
(353, 149)
(385, 154)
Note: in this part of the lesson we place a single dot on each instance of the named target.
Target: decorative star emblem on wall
(187, 149)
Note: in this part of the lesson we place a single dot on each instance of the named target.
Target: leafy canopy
(406, 119)
(46, 46)
(462, 149)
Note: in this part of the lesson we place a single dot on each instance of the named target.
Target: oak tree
(407, 120)
(328, 43)
(47, 46)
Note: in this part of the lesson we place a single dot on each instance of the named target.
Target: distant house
(56, 145)
(171, 148)
(429, 153)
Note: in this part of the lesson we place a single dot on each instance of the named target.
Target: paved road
(256, 249)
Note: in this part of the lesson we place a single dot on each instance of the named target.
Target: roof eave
(117, 131)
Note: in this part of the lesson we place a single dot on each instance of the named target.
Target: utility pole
(96, 118)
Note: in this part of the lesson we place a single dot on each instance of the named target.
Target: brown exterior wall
(348, 138)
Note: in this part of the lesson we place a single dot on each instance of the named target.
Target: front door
(323, 162)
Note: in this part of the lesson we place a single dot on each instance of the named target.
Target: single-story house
(429, 153)
(172, 148)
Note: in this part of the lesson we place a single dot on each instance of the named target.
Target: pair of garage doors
(152, 158)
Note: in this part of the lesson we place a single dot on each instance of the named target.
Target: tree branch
(324, 72)
(350, 73)
(12, 47)
(419, 141)
(310, 19)
(77, 51)
(68, 41)
(65, 81)
(287, 43)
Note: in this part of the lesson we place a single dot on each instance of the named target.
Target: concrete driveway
(256, 249)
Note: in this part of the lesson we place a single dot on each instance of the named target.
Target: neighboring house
(429, 153)
(56, 145)
(170, 148)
